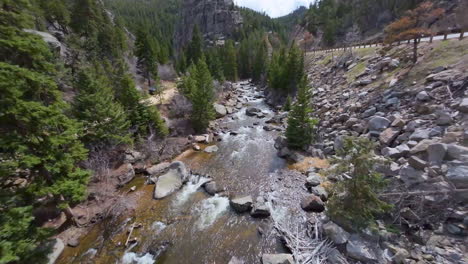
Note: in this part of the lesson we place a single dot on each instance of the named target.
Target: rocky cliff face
(217, 19)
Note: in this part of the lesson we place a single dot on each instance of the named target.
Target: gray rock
(260, 208)
(410, 176)
(388, 136)
(444, 118)
(211, 149)
(235, 260)
(398, 122)
(444, 76)
(171, 181)
(132, 156)
(277, 259)
(360, 250)
(423, 145)
(417, 163)
(423, 96)
(253, 111)
(335, 257)
(369, 112)
(335, 233)
(241, 204)
(312, 203)
(281, 142)
(320, 192)
(395, 153)
(57, 249)
(413, 125)
(420, 134)
(53, 42)
(313, 180)
(378, 123)
(211, 188)
(458, 174)
(73, 242)
(158, 168)
(220, 110)
(457, 152)
(463, 107)
(436, 153)
(339, 143)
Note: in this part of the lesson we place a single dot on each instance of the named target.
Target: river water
(191, 226)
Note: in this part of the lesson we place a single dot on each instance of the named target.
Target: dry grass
(307, 163)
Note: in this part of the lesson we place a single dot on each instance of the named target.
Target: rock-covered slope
(418, 115)
(216, 19)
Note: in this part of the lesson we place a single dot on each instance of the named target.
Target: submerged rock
(277, 259)
(171, 181)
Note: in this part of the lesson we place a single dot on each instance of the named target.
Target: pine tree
(214, 64)
(202, 96)
(195, 48)
(259, 67)
(38, 143)
(147, 51)
(287, 105)
(355, 201)
(105, 120)
(300, 124)
(230, 61)
(143, 118)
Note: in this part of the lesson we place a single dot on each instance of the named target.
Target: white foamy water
(195, 182)
(210, 209)
(134, 258)
(158, 227)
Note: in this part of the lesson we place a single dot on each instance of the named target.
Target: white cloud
(274, 8)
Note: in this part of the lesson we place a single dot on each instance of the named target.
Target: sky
(274, 8)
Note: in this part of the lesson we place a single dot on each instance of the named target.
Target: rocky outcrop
(277, 259)
(216, 19)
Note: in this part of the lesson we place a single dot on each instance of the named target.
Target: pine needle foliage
(355, 201)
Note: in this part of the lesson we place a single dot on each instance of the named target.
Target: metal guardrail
(429, 39)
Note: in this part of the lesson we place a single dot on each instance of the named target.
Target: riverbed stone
(241, 204)
(312, 203)
(359, 249)
(313, 179)
(260, 208)
(277, 259)
(335, 233)
(220, 110)
(171, 181)
(212, 188)
(252, 111)
(457, 152)
(211, 149)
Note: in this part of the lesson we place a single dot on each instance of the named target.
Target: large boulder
(457, 152)
(220, 110)
(313, 179)
(171, 181)
(211, 149)
(436, 153)
(241, 204)
(53, 42)
(277, 259)
(312, 203)
(359, 249)
(335, 233)
(444, 76)
(420, 134)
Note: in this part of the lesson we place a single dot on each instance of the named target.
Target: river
(191, 226)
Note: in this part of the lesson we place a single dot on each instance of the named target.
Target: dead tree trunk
(415, 50)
